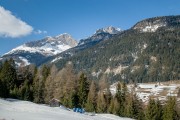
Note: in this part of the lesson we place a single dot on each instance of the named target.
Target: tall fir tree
(169, 111)
(83, 89)
(120, 96)
(39, 84)
(154, 110)
(8, 76)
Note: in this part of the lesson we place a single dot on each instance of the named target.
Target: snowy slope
(11, 109)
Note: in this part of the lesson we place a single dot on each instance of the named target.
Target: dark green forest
(40, 85)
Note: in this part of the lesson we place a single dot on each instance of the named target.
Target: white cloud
(10, 26)
(40, 32)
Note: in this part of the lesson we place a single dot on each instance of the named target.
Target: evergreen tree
(130, 107)
(153, 111)
(39, 87)
(45, 72)
(74, 100)
(120, 96)
(8, 76)
(4, 92)
(83, 89)
(169, 112)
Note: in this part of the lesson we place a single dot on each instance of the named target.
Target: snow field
(11, 109)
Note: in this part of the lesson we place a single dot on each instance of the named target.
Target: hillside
(100, 35)
(134, 55)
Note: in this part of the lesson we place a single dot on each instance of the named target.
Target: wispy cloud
(40, 32)
(11, 26)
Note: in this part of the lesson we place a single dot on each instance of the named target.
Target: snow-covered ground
(11, 109)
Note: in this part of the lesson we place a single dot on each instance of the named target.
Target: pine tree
(8, 76)
(120, 96)
(130, 106)
(154, 110)
(83, 89)
(39, 87)
(74, 100)
(4, 92)
(169, 112)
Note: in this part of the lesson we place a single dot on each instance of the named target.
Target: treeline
(76, 90)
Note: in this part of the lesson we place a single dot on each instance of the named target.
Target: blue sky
(35, 19)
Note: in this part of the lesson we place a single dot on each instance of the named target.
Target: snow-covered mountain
(100, 35)
(39, 51)
(48, 46)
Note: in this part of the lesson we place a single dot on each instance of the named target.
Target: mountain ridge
(133, 55)
(49, 46)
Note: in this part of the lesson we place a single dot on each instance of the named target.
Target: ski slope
(11, 109)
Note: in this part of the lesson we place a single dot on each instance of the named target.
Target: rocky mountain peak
(64, 35)
(148, 26)
(110, 30)
(152, 24)
(64, 38)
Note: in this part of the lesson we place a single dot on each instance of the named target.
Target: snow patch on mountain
(116, 70)
(54, 60)
(150, 25)
(25, 61)
(96, 74)
(152, 28)
(153, 58)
